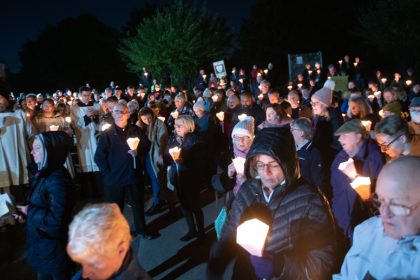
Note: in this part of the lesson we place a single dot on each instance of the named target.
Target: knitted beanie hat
(244, 127)
(324, 95)
(199, 104)
(330, 84)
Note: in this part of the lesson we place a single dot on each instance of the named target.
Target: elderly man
(388, 246)
(298, 110)
(99, 240)
(15, 133)
(122, 165)
(348, 207)
(393, 137)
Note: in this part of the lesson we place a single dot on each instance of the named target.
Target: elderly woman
(155, 168)
(182, 107)
(188, 172)
(99, 240)
(300, 243)
(50, 207)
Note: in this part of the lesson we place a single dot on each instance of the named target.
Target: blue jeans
(153, 180)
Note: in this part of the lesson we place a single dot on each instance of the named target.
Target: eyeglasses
(315, 103)
(385, 146)
(116, 112)
(241, 139)
(396, 209)
(270, 166)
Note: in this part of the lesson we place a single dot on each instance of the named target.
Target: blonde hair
(187, 121)
(97, 230)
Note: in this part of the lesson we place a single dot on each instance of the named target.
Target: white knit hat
(324, 95)
(244, 127)
(199, 104)
(329, 84)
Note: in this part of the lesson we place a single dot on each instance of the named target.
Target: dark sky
(22, 20)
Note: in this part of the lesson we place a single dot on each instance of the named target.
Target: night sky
(22, 20)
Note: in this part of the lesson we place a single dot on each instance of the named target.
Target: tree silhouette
(69, 54)
(176, 42)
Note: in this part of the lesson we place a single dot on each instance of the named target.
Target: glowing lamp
(221, 116)
(239, 163)
(241, 117)
(362, 186)
(175, 152)
(251, 235)
(174, 114)
(105, 126)
(54, 127)
(348, 168)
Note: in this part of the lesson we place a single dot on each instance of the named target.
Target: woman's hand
(133, 153)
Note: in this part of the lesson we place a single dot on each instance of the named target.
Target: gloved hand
(263, 266)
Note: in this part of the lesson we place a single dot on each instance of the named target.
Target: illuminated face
(393, 146)
(265, 88)
(246, 101)
(37, 151)
(354, 108)
(31, 103)
(85, 96)
(269, 171)
(120, 115)
(232, 103)
(147, 119)
(48, 107)
(274, 98)
(293, 100)
(388, 97)
(198, 112)
(350, 142)
(111, 106)
(390, 195)
(242, 142)
(271, 115)
(3, 103)
(179, 103)
(317, 106)
(180, 128)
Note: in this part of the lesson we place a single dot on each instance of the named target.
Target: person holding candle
(394, 138)
(349, 208)
(188, 173)
(49, 120)
(360, 109)
(249, 108)
(300, 243)
(123, 179)
(182, 107)
(387, 246)
(298, 110)
(275, 116)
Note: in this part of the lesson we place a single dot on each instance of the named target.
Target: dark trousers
(134, 194)
(198, 224)
(91, 184)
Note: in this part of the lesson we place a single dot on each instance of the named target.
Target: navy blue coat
(49, 213)
(311, 167)
(348, 208)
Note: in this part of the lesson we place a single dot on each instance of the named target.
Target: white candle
(174, 114)
(367, 125)
(133, 143)
(377, 94)
(362, 186)
(251, 235)
(289, 87)
(340, 62)
(383, 80)
(105, 126)
(408, 82)
(241, 80)
(161, 118)
(214, 98)
(54, 127)
(68, 120)
(371, 97)
(241, 117)
(239, 164)
(299, 85)
(266, 71)
(146, 74)
(175, 152)
(348, 168)
(221, 116)
(260, 96)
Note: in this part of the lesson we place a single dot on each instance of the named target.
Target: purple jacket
(348, 207)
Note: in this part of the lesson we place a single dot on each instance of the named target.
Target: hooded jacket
(51, 203)
(301, 240)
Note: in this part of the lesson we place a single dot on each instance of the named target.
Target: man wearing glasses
(388, 246)
(393, 137)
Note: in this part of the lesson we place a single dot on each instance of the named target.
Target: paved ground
(164, 258)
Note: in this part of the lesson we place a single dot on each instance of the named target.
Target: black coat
(301, 239)
(189, 176)
(49, 213)
(113, 159)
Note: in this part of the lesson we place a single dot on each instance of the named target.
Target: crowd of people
(316, 163)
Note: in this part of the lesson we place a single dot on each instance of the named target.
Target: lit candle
(174, 114)
(381, 113)
(241, 80)
(241, 117)
(259, 74)
(239, 163)
(28, 115)
(343, 115)
(355, 64)
(68, 119)
(260, 96)
(221, 116)
(318, 71)
(309, 72)
(161, 118)
(289, 87)
(142, 94)
(408, 82)
(348, 168)
(299, 85)
(383, 80)
(146, 74)
(133, 143)
(340, 62)
(214, 98)
(251, 235)
(265, 71)
(367, 125)
(54, 127)
(377, 94)
(175, 152)
(105, 126)
(362, 186)
(204, 76)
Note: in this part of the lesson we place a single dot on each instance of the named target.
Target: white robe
(15, 132)
(86, 140)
